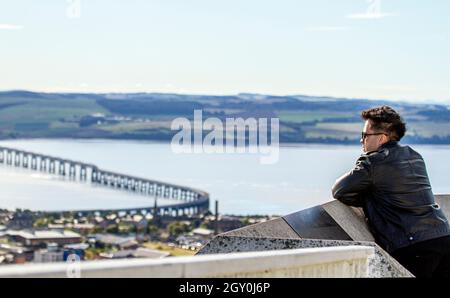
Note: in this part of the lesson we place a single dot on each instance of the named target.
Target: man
(391, 184)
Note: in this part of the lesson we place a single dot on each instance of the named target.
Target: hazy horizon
(424, 101)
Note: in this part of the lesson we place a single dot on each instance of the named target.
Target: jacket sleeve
(350, 188)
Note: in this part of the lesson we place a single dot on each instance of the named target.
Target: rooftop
(135, 253)
(202, 232)
(44, 234)
(113, 239)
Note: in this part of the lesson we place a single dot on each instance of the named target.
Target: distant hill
(304, 119)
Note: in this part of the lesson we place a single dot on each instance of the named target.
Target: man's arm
(350, 188)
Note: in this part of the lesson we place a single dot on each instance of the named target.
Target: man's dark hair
(386, 119)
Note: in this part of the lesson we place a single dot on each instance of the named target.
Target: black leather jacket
(392, 186)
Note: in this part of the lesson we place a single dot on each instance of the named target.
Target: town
(28, 236)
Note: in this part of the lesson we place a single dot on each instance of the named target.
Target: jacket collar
(389, 144)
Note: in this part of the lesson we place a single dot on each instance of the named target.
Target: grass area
(334, 130)
(174, 251)
(48, 111)
(306, 116)
(64, 125)
(333, 134)
(93, 253)
(423, 128)
(428, 129)
(131, 126)
(354, 128)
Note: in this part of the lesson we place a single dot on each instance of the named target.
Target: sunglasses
(365, 135)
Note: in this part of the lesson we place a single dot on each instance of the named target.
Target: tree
(177, 228)
(112, 229)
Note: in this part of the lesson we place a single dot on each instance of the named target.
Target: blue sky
(346, 48)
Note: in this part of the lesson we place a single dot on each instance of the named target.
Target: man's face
(372, 142)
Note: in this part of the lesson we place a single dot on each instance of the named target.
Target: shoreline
(161, 142)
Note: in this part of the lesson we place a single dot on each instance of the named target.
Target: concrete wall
(348, 261)
(381, 265)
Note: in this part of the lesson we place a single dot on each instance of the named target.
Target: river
(301, 178)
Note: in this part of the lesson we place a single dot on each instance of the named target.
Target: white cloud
(10, 27)
(371, 16)
(327, 28)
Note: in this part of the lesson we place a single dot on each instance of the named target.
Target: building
(15, 254)
(138, 221)
(50, 255)
(4, 257)
(103, 224)
(190, 242)
(135, 253)
(110, 240)
(204, 234)
(82, 228)
(42, 237)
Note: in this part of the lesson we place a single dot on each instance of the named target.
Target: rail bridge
(190, 201)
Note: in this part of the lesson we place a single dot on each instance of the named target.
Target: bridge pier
(136, 186)
(9, 157)
(83, 174)
(144, 187)
(72, 171)
(103, 178)
(151, 189)
(94, 175)
(33, 162)
(24, 160)
(166, 192)
(176, 193)
(16, 159)
(52, 166)
(43, 164)
(62, 168)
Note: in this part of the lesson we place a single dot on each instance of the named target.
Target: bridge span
(190, 201)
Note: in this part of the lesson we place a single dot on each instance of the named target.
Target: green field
(40, 115)
(134, 126)
(48, 111)
(307, 116)
(429, 129)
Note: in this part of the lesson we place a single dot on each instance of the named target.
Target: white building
(50, 255)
